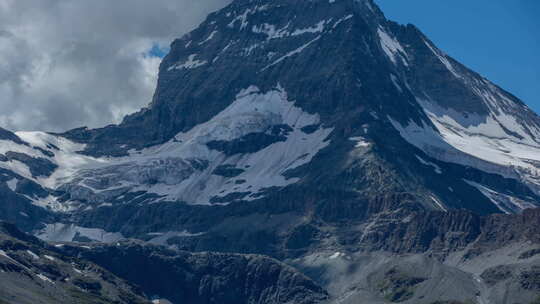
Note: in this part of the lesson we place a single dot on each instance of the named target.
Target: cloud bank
(72, 63)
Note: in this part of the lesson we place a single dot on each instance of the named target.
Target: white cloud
(69, 63)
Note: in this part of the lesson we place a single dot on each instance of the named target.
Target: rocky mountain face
(184, 277)
(315, 132)
(34, 272)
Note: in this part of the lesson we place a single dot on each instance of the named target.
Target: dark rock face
(398, 287)
(497, 274)
(7, 135)
(65, 275)
(530, 279)
(228, 171)
(38, 166)
(18, 208)
(500, 230)
(436, 231)
(447, 232)
(249, 143)
(529, 253)
(205, 278)
(281, 231)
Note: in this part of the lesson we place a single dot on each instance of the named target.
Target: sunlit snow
(392, 47)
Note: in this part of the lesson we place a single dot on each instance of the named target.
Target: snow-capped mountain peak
(266, 97)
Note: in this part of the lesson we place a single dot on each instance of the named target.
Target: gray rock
(34, 272)
(205, 278)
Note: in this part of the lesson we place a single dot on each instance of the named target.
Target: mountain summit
(322, 81)
(316, 132)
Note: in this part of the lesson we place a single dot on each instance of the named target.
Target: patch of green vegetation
(86, 298)
(537, 301)
(398, 287)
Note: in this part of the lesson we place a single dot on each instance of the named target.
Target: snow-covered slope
(484, 146)
(244, 150)
(488, 129)
(46, 160)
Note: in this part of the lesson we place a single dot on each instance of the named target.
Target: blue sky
(500, 39)
(158, 51)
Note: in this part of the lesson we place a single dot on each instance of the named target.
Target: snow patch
(210, 37)
(33, 255)
(392, 47)
(336, 255)
(395, 82)
(339, 21)
(444, 60)
(12, 184)
(44, 278)
(318, 28)
(243, 18)
(438, 203)
(360, 142)
(161, 301)
(50, 258)
(430, 164)
(66, 233)
(52, 203)
(5, 255)
(292, 53)
(190, 63)
(248, 50)
(270, 31)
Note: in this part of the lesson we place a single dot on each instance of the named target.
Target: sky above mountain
(65, 64)
(499, 39)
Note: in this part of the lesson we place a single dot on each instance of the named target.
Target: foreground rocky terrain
(316, 133)
(184, 277)
(32, 271)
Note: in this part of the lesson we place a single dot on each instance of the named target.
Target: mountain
(315, 132)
